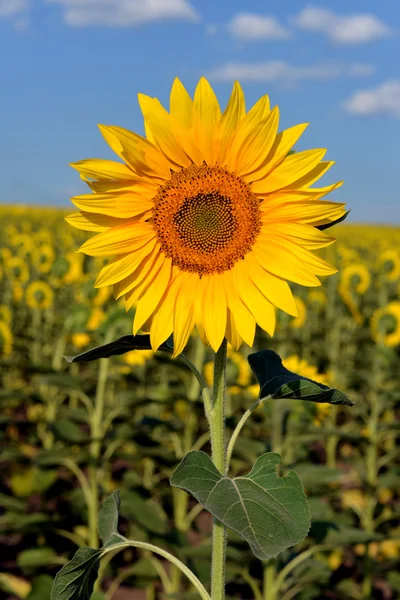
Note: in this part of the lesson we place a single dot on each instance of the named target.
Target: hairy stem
(218, 451)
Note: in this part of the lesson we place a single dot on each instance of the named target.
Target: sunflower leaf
(278, 382)
(108, 520)
(332, 223)
(122, 345)
(270, 512)
(76, 579)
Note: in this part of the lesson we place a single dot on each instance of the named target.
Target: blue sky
(66, 65)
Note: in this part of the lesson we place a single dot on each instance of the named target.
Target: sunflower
(389, 262)
(39, 295)
(382, 331)
(207, 217)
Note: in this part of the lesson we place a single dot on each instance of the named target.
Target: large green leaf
(270, 512)
(76, 579)
(36, 557)
(41, 588)
(122, 345)
(108, 520)
(278, 382)
(68, 432)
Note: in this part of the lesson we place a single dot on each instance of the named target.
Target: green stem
(269, 580)
(218, 451)
(239, 428)
(96, 432)
(165, 554)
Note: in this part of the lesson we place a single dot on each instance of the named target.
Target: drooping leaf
(67, 431)
(270, 512)
(332, 223)
(61, 380)
(122, 345)
(108, 520)
(41, 588)
(278, 382)
(76, 579)
(147, 513)
(36, 557)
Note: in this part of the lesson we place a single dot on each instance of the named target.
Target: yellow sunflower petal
(206, 115)
(243, 318)
(149, 301)
(302, 211)
(232, 333)
(312, 176)
(280, 261)
(234, 112)
(184, 314)
(181, 105)
(215, 311)
(162, 324)
(133, 283)
(143, 156)
(93, 222)
(118, 240)
(293, 168)
(258, 305)
(147, 280)
(275, 289)
(162, 127)
(314, 263)
(116, 204)
(245, 126)
(96, 168)
(258, 144)
(283, 143)
(198, 310)
(123, 265)
(305, 235)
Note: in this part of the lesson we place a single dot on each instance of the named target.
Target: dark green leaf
(108, 520)
(76, 579)
(145, 568)
(146, 513)
(68, 431)
(332, 223)
(35, 557)
(61, 380)
(277, 382)
(270, 512)
(41, 588)
(120, 346)
(348, 536)
(10, 503)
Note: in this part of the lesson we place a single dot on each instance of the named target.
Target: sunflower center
(206, 219)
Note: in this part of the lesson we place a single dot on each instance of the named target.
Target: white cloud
(342, 29)
(250, 27)
(10, 8)
(289, 75)
(124, 13)
(383, 100)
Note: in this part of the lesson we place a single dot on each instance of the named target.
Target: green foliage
(278, 382)
(269, 512)
(76, 579)
(120, 346)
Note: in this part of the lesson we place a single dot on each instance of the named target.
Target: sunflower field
(61, 457)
